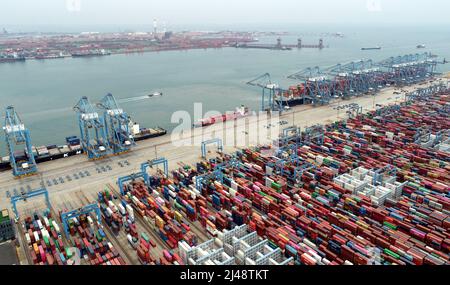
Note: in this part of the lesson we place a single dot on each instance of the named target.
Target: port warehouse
(324, 198)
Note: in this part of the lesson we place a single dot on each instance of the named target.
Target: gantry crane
(314, 134)
(25, 196)
(132, 177)
(92, 129)
(117, 124)
(410, 68)
(273, 97)
(18, 141)
(315, 85)
(216, 141)
(86, 210)
(150, 164)
(423, 93)
(357, 78)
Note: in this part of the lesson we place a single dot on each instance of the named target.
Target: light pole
(373, 101)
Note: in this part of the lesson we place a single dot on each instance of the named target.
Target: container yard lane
(143, 224)
(117, 240)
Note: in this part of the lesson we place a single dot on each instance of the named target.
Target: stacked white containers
(360, 182)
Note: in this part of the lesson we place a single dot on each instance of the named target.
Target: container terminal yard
(359, 174)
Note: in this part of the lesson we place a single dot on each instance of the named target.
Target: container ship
(240, 112)
(49, 56)
(73, 147)
(11, 58)
(370, 48)
(101, 52)
(295, 95)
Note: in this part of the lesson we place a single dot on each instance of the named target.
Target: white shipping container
(112, 206)
(90, 221)
(130, 240)
(46, 222)
(129, 209)
(234, 185)
(40, 224)
(27, 237)
(172, 194)
(249, 261)
(55, 227)
(122, 210)
(36, 236)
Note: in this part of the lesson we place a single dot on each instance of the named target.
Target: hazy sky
(179, 12)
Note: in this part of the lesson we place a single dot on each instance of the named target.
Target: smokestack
(155, 25)
(279, 42)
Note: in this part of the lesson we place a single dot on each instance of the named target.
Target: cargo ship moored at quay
(73, 147)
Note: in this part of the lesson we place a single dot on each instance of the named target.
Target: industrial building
(6, 226)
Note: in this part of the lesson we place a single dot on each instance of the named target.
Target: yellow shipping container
(362, 224)
(178, 216)
(159, 222)
(281, 236)
(36, 248)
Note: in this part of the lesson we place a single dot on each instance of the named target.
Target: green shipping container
(145, 237)
(47, 242)
(276, 186)
(68, 252)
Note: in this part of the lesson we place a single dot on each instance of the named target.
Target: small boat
(370, 48)
(421, 46)
(155, 94)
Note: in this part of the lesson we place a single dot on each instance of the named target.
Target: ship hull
(291, 102)
(3, 60)
(89, 55)
(48, 157)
